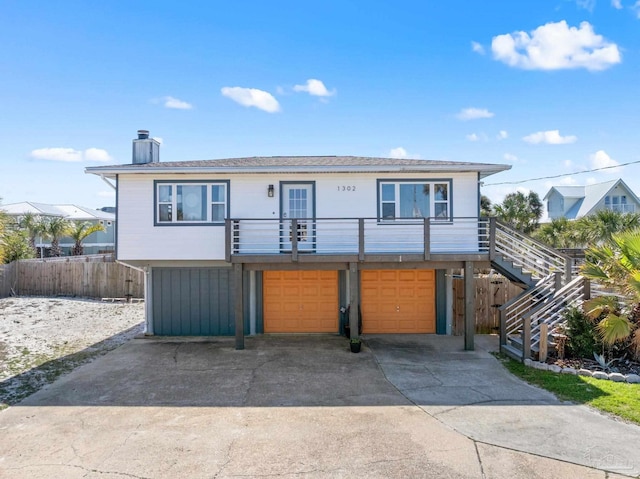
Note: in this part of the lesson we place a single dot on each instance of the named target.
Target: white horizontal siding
(139, 239)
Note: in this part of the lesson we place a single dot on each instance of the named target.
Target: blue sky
(550, 87)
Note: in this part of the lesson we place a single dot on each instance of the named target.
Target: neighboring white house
(98, 242)
(573, 202)
(284, 244)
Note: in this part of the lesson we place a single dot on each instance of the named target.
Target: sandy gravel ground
(43, 338)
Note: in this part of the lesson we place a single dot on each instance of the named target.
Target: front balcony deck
(314, 240)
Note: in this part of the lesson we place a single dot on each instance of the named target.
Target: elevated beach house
(247, 246)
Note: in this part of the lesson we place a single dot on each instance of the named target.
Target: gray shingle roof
(323, 164)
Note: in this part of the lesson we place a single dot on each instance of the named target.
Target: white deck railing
(357, 236)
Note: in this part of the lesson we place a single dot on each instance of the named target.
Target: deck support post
(238, 304)
(469, 306)
(354, 300)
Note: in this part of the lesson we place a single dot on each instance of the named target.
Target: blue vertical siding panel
(193, 302)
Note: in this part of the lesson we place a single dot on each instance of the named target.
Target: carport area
(304, 406)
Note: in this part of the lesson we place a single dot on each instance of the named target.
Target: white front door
(298, 202)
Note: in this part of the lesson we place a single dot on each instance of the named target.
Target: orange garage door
(398, 301)
(300, 301)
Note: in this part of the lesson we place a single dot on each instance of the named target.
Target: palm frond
(614, 328)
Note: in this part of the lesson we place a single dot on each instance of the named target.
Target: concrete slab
(479, 398)
(300, 406)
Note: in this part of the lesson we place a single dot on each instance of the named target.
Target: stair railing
(527, 253)
(512, 312)
(551, 312)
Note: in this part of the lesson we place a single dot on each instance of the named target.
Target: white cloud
(591, 181)
(314, 87)
(600, 159)
(57, 154)
(176, 104)
(511, 158)
(636, 8)
(586, 4)
(617, 4)
(478, 48)
(556, 46)
(502, 135)
(96, 154)
(398, 153)
(568, 181)
(568, 163)
(474, 114)
(401, 152)
(106, 194)
(252, 97)
(71, 155)
(477, 137)
(551, 137)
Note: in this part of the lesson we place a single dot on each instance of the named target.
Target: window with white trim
(191, 203)
(414, 199)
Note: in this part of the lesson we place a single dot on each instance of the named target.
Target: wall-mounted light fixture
(270, 192)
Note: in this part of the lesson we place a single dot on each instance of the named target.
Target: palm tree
(520, 211)
(598, 228)
(33, 225)
(79, 232)
(55, 229)
(560, 233)
(617, 266)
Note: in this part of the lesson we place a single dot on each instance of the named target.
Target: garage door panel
(398, 301)
(307, 301)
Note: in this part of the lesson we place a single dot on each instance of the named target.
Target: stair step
(510, 351)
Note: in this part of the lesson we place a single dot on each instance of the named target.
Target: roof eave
(484, 169)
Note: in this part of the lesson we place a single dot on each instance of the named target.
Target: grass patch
(619, 399)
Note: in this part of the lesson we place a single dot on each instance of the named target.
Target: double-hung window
(409, 199)
(197, 202)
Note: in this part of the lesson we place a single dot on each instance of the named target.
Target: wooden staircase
(548, 289)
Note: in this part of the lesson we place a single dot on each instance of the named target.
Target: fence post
(526, 337)
(227, 240)
(567, 269)
(427, 239)
(294, 239)
(492, 238)
(503, 326)
(586, 288)
(544, 337)
(558, 280)
(361, 239)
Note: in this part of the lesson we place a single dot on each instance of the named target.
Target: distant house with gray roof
(98, 242)
(574, 202)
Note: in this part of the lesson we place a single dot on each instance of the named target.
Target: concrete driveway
(304, 406)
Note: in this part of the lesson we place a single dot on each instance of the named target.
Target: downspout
(148, 310)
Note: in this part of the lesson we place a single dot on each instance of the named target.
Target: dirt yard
(43, 338)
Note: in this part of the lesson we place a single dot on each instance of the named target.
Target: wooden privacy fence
(89, 279)
(492, 291)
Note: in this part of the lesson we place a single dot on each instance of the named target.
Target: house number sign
(346, 188)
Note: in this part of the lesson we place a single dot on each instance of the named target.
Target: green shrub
(582, 334)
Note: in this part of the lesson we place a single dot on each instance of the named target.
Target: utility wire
(560, 176)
